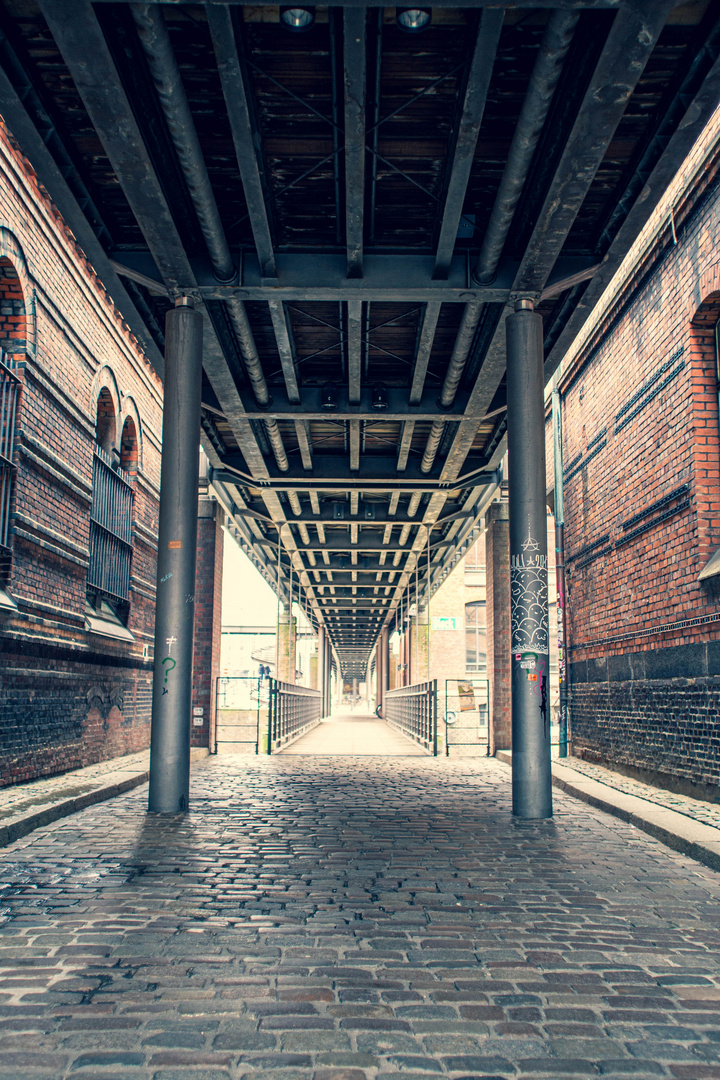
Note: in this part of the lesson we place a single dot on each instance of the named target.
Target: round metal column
(531, 769)
(177, 547)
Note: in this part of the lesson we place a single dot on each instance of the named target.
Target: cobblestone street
(344, 918)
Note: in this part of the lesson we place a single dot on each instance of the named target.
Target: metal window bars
(413, 711)
(110, 528)
(9, 394)
(293, 711)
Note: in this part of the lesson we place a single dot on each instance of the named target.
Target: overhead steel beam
(354, 350)
(627, 49)
(82, 43)
(329, 470)
(50, 165)
(428, 327)
(703, 83)
(322, 277)
(543, 81)
(632, 38)
(462, 153)
(309, 406)
(246, 139)
(531, 4)
(285, 349)
(354, 29)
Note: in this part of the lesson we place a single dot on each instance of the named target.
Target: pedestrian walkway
(356, 734)
(358, 918)
(24, 807)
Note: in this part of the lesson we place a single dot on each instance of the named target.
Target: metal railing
(9, 393)
(242, 705)
(293, 710)
(110, 529)
(413, 711)
(466, 715)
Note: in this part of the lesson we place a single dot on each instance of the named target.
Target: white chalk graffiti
(528, 599)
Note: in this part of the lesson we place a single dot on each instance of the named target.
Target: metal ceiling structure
(355, 210)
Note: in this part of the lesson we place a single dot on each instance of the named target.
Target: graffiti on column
(528, 599)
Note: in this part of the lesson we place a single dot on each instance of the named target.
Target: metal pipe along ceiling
(544, 78)
(156, 42)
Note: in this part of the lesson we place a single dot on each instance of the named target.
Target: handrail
(293, 711)
(413, 711)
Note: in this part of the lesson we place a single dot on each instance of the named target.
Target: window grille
(110, 529)
(9, 392)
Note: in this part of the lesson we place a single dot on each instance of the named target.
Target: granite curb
(677, 831)
(23, 824)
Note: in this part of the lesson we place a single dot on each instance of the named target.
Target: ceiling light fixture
(413, 20)
(297, 19)
(328, 397)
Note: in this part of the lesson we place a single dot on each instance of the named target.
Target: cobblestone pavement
(352, 918)
(708, 813)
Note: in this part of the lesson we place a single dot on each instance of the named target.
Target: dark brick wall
(653, 713)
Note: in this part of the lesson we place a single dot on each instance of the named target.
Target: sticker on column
(174, 545)
(529, 600)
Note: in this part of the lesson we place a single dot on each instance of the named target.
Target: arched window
(129, 448)
(108, 581)
(475, 638)
(12, 349)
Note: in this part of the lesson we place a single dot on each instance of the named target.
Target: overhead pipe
(543, 81)
(163, 66)
(458, 360)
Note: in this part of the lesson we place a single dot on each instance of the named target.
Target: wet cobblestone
(355, 919)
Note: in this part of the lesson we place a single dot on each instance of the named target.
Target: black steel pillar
(531, 769)
(177, 546)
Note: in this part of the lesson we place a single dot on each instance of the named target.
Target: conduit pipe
(543, 81)
(163, 66)
(458, 360)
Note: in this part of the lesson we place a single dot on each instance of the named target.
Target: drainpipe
(560, 571)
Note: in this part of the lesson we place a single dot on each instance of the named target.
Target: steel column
(177, 546)
(531, 770)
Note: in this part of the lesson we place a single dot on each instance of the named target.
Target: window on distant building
(475, 638)
(108, 581)
(475, 563)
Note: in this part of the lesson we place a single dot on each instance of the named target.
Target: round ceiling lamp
(297, 19)
(413, 20)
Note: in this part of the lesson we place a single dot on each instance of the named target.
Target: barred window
(111, 514)
(9, 393)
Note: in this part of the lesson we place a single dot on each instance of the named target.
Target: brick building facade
(81, 431)
(642, 504)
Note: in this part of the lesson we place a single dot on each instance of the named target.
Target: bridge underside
(354, 211)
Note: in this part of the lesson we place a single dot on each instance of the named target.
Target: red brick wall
(208, 621)
(68, 697)
(640, 419)
(497, 556)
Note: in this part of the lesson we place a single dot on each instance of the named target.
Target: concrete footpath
(24, 807)
(684, 824)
